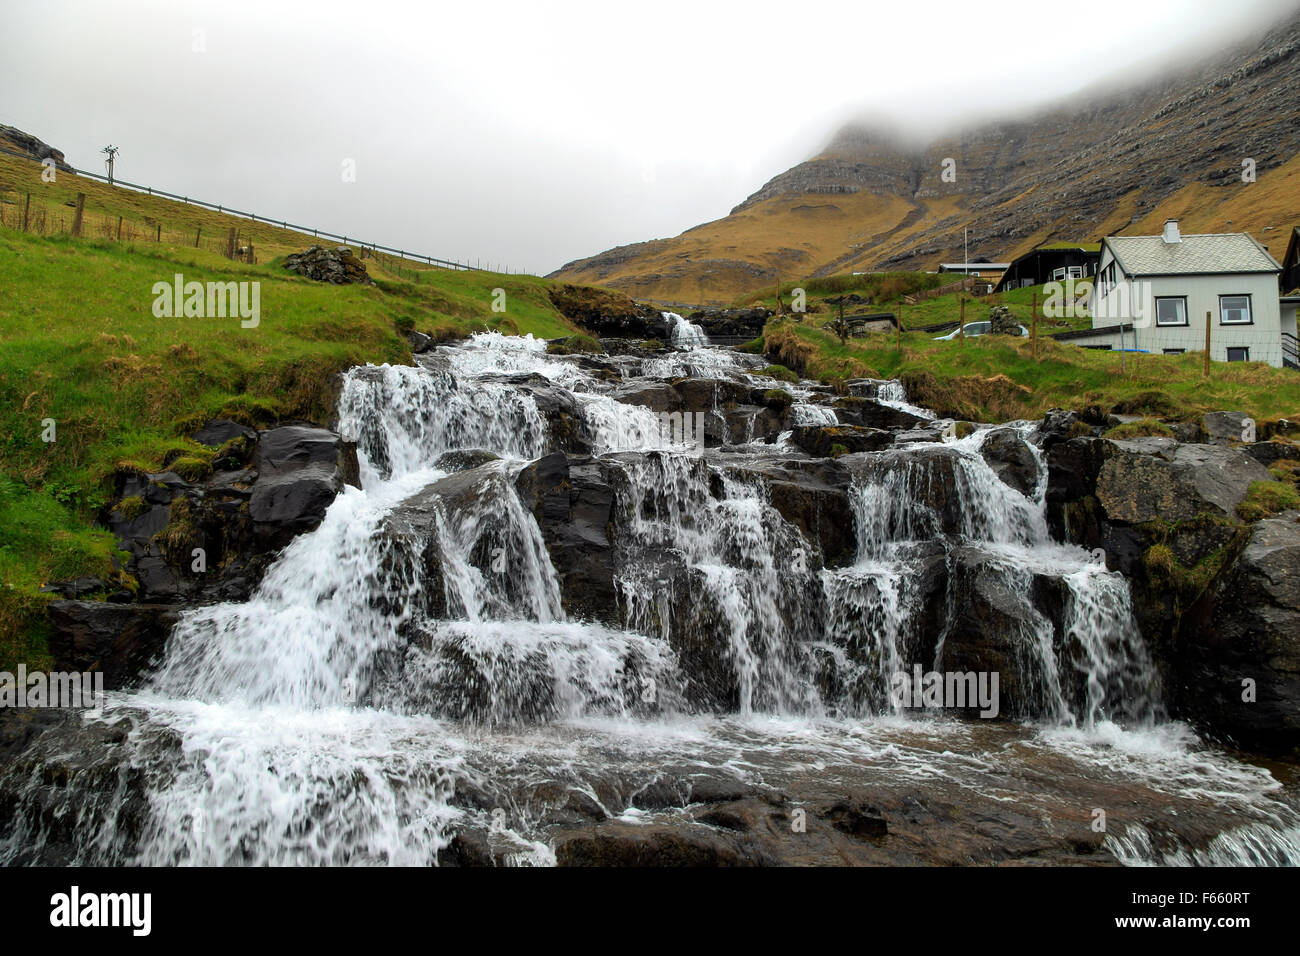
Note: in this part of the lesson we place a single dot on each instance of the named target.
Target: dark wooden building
(1291, 263)
(1052, 262)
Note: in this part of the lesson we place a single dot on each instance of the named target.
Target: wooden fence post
(26, 209)
(119, 228)
(158, 235)
(230, 243)
(197, 232)
(961, 321)
(1206, 372)
(78, 217)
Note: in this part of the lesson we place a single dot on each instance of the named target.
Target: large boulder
(1011, 459)
(572, 502)
(300, 471)
(867, 412)
(119, 640)
(1238, 665)
(264, 489)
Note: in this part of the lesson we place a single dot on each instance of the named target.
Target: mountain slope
(1101, 164)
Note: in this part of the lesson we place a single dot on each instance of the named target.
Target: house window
(1058, 274)
(1174, 351)
(1234, 310)
(1171, 310)
(1075, 272)
(1238, 355)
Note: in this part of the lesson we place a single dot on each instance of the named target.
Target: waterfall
(408, 671)
(686, 334)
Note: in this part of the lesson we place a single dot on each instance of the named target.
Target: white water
(686, 334)
(331, 718)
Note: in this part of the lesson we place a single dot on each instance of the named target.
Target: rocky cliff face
(25, 144)
(1095, 166)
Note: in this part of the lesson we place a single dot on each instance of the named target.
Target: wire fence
(106, 228)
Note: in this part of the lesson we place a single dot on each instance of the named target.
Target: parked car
(975, 329)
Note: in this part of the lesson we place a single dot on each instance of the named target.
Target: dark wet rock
(616, 843)
(120, 640)
(77, 587)
(463, 459)
(420, 343)
(812, 498)
(568, 426)
(609, 314)
(572, 502)
(300, 472)
(857, 819)
(994, 625)
(872, 414)
(1058, 425)
(746, 424)
(731, 322)
(1011, 459)
(1247, 628)
(825, 441)
(238, 517)
(656, 396)
(221, 430)
(1270, 452)
(707, 394)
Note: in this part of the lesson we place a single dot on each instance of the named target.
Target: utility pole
(111, 151)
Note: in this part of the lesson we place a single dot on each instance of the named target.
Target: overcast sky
(530, 134)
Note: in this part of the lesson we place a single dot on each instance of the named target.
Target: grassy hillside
(996, 378)
(80, 345)
(894, 292)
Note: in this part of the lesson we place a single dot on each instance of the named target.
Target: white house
(1154, 293)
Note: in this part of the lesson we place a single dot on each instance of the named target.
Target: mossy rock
(779, 372)
(192, 467)
(132, 507)
(575, 345)
(1146, 427)
(777, 399)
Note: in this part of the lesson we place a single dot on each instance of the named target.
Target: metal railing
(280, 223)
(1290, 351)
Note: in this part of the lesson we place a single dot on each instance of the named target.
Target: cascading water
(686, 334)
(415, 647)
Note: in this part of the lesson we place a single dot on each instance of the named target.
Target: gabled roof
(1060, 244)
(1209, 254)
(1292, 245)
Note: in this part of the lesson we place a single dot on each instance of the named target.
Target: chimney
(1171, 233)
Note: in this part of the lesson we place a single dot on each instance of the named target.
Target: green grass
(1267, 498)
(996, 378)
(79, 344)
(1147, 427)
